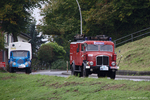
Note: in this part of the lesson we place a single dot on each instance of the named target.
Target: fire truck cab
(93, 55)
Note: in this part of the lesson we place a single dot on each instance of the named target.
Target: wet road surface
(66, 74)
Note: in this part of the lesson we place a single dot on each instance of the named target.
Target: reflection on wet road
(66, 74)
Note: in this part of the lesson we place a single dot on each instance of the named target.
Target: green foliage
(36, 40)
(1, 41)
(110, 17)
(58, 50)
(15, 15)
(44, 87)
(46, 54)
(50, 52)
(135, 55)
(59, 64)
(115, 18)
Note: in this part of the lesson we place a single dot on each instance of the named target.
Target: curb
(122, 72)
(128, 72)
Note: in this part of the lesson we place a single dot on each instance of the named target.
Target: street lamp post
(80, 15)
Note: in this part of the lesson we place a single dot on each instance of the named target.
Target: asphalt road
(66, 74)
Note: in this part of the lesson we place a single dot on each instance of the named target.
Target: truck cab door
(80, 52)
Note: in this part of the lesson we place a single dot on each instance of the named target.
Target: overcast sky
(36, 14)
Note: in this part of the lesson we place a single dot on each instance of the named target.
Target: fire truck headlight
(91, 63)
(87, 63)
(113, 63)
(14, 63)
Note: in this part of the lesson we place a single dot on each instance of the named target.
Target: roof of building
(25, 35)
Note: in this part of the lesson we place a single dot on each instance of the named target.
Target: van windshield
(92, 47)
(20, 53)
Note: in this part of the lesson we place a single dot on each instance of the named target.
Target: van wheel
(113, 74)
(28, 70)
(11, 69)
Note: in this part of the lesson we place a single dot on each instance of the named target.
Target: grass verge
(135, 54)
(41, 87)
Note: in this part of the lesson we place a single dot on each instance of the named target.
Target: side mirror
(85, 44)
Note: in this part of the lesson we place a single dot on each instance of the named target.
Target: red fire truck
(93, 55)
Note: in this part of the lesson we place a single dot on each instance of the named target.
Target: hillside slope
(135, 55)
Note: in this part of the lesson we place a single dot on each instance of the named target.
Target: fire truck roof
(98, 39)
(95, 42)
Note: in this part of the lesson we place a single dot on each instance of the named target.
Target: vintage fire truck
(93, 55)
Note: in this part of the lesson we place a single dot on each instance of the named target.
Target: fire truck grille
(102, 60)
(20, 61)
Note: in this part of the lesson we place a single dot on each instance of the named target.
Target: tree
(36, 38)
(62, 20)
(1, 41)
(15, 15)
(50, 52)
(115, 18)
(118, 18)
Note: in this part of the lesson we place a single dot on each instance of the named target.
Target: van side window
(28, 54)
(10, 54)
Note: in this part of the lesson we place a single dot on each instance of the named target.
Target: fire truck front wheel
(85, 72)
(73, 70)
(113, 74)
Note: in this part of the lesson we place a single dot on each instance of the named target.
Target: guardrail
(131, 36)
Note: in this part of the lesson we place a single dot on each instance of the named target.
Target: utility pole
(80, 15)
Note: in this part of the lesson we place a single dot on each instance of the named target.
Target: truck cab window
(106, 48)
(92, 47)
(78, 49)
(82, 47)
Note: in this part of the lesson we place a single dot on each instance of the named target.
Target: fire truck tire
(113, 74)
(28, 70)
(72, 70)
(85, 72)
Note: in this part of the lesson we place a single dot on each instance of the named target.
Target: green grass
(43, 87)
(136, 55)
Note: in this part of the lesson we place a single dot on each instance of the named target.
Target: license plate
(21, 66)
(105, 68)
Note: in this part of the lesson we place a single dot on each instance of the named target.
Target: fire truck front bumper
(102, 68)
(114, 67)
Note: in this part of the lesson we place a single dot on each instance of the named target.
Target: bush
(59, 64)
(50, 52)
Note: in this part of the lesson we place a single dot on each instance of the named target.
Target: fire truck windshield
(106, 48)
(92, 47)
